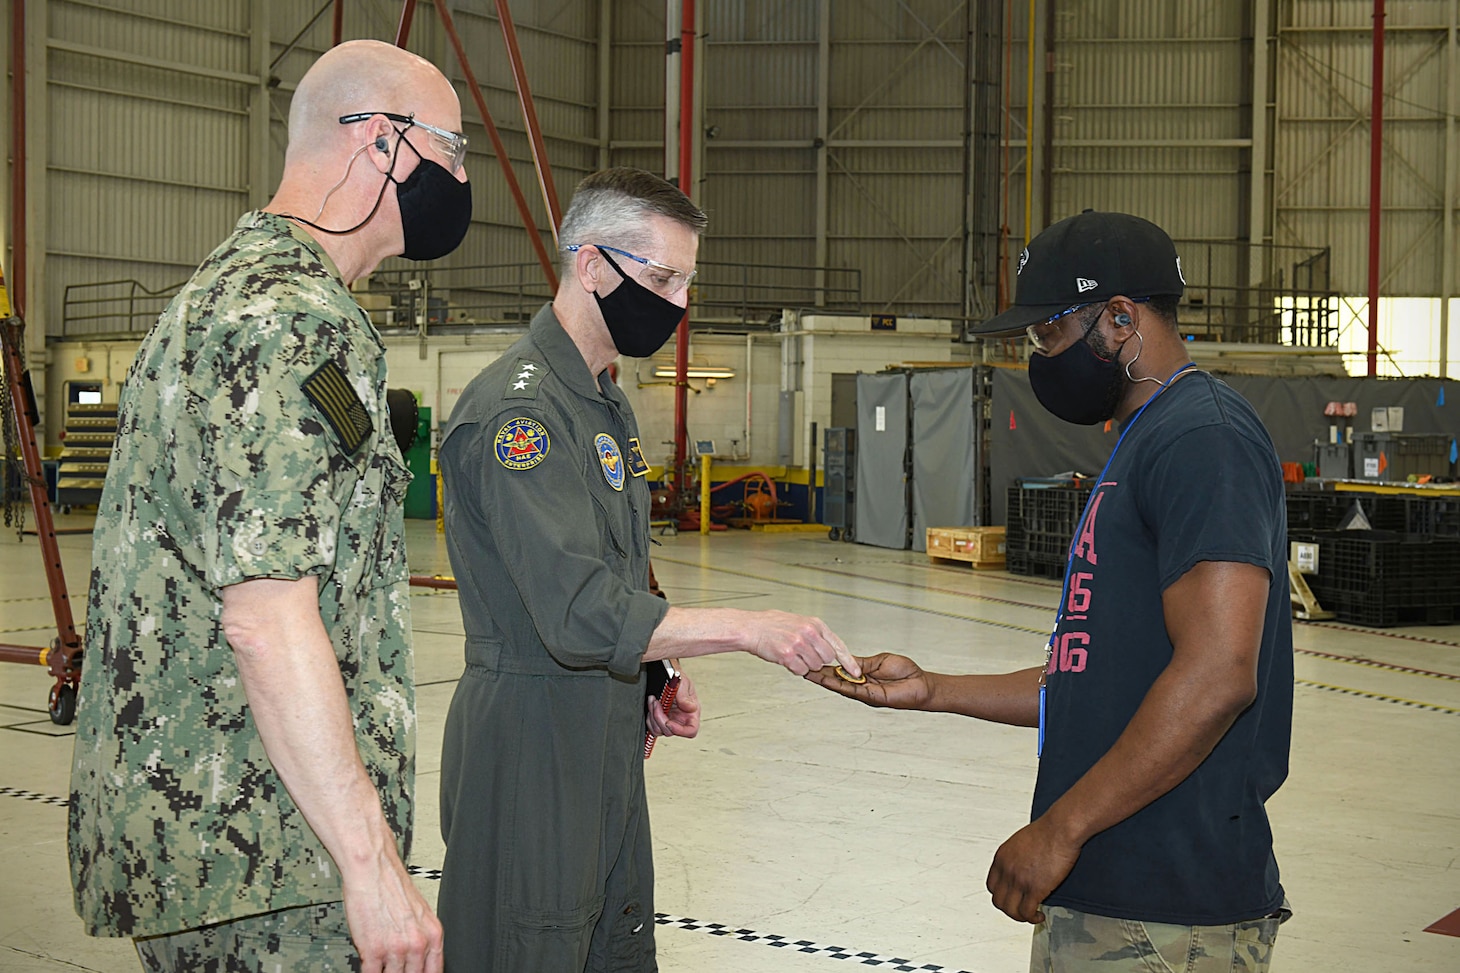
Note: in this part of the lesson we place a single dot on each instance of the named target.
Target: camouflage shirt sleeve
(283, 472)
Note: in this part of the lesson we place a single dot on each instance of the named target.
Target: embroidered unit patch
(610, 459)
(330, 391)
(522, 444)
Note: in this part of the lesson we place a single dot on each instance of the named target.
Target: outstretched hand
(893, 681)
(801, 643)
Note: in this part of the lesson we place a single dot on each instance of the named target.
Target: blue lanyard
(1059, 612)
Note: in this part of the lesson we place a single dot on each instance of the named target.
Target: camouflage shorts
(1078, 942)
(307, 939)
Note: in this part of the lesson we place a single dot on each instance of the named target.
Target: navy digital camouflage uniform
(253, 442)
(548, 861)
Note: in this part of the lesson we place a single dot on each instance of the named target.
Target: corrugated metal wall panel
(1152, 110)
(764, 21)
(211, 35)
(889, 83)
(1150, 114)
(1322, 148)
(147, 154)
(759, 76)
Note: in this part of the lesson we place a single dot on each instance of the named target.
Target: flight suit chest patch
(611, 459)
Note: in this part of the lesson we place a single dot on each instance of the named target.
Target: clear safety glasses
(660, 278)
(452, 145)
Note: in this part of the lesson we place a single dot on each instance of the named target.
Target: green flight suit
(548, 862)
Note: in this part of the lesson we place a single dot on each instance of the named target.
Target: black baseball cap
(1087, 258)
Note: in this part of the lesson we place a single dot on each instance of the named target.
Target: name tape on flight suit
(638, 466)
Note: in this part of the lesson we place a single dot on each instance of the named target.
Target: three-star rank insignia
(526, 377)
(611, 459)
(638, 466)
(521, 443)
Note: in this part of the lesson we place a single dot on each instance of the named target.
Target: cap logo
(1083, 284)
(1178, 270)
(1023, 259)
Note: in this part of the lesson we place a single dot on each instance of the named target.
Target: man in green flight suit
(548, 863)
(241, 792)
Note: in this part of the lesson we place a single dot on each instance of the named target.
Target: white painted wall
(740, 414)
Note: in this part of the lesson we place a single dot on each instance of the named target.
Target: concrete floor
(799, 815)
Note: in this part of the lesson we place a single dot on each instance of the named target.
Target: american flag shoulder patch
(330, 391)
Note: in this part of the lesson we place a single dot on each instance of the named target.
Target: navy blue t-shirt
(1196, 479)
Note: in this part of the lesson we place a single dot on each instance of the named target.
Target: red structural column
(403, 30)
(686, 153)
(529, 117)
(528, 223)
(17, 157)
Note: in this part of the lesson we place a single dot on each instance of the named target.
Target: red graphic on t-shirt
(1070, 650)
(1085, 543)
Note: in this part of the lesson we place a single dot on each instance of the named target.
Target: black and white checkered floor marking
(33, 796)
(806, 946)
(1346, 691)
(862, 958)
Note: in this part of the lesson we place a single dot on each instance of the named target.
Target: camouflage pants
(307, 939)
(1078, 942)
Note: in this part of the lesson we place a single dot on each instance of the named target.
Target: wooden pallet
(981, 547)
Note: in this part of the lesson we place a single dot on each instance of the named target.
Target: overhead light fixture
(695, 371)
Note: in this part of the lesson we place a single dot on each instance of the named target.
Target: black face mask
(639, 321)
(435, 209)
(1077, 385)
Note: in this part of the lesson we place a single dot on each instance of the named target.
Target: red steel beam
(432, 581)
(1376, 170)
(24, 654)
(522, 208)
(12, 336)
(339, 32)
(529, 116)
(18, 156)
(403, 30)
(686, 154)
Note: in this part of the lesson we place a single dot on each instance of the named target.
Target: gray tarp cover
(1025, 440)
(880, 516)
(943, 461)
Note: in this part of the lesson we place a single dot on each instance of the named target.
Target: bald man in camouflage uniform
(241, 789)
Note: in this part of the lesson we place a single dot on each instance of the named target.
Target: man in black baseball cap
(1078, 273)
(1164, 701)
(1086, 259)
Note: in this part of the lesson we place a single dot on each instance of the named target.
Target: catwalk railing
(493, 294)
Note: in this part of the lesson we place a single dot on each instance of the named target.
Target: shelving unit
(86, 451)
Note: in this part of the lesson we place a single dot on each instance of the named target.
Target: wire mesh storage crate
(1385, 578)
(1042, 517)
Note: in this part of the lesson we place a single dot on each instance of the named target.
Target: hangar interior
(872, 170)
